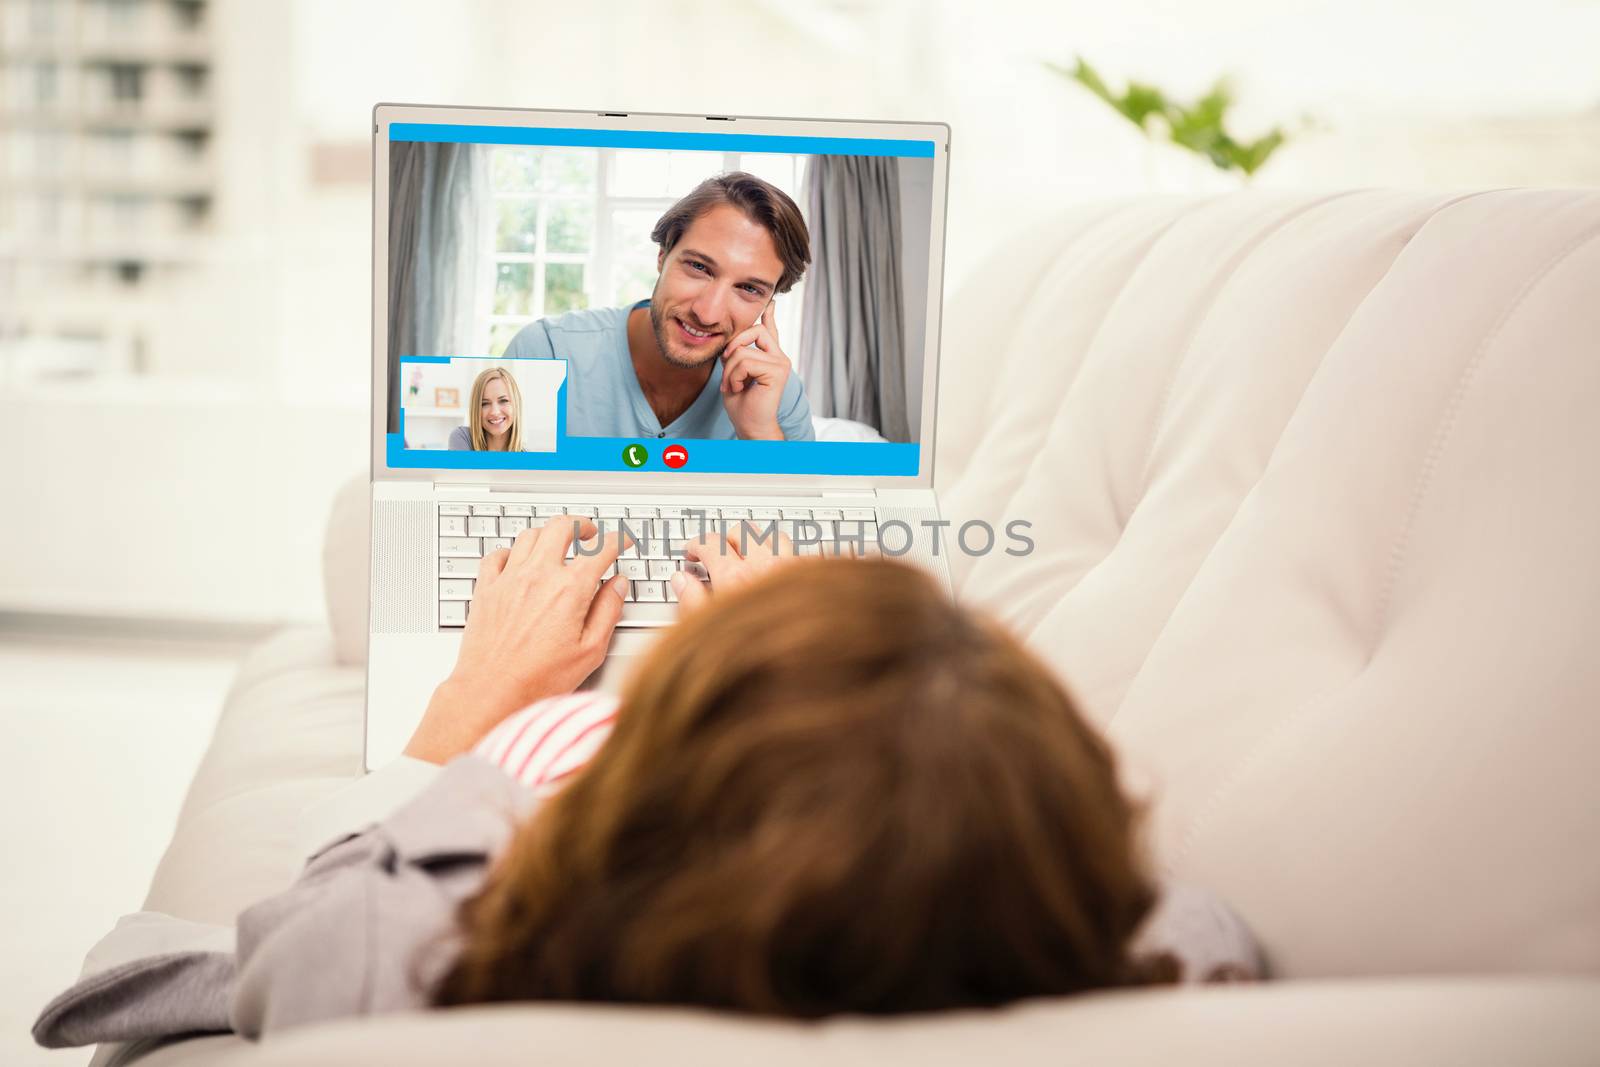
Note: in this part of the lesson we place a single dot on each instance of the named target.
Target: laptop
(680, 323)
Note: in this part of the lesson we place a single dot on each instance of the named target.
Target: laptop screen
(603, 300)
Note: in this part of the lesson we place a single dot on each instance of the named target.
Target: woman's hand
(731, 561)
(539, 626)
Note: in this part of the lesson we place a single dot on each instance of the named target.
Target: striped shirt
(544, 744)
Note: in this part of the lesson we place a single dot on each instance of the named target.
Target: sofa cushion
(1315, 516)
(1460, 1023)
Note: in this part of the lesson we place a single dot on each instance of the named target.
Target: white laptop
(538, 355)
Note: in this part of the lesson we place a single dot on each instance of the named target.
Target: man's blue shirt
(603, 394)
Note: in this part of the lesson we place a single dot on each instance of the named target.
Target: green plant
(1199, 127)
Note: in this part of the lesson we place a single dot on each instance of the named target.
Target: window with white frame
(573, 226)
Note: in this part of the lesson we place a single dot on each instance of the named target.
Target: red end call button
(675, 456)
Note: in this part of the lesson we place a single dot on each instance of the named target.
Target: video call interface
(581, 300)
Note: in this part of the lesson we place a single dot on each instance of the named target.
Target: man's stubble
(658, 324)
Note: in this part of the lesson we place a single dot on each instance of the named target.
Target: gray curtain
(852, 319)
(441, 266)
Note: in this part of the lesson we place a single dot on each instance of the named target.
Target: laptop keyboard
(468, 532)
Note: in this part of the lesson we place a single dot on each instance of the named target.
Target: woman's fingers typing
(558, 535)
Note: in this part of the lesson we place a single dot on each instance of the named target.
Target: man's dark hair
(761, 201)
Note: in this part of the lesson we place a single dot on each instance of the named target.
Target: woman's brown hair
(832, 790)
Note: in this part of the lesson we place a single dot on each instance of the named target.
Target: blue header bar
(703, 142)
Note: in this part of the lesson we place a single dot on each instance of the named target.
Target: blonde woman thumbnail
(494, 415)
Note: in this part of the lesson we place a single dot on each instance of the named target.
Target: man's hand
(730, 561)
(753, 379)
(539, 626)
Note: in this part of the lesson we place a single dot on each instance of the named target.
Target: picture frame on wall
(446, 397)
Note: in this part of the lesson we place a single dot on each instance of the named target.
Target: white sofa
(1315, 488)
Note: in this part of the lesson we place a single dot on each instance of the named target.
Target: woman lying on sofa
(827, 789)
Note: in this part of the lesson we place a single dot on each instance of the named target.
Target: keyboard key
(581, 509)
(766, 513)
(662, 569)
(697, 521)
(641, 513)
(452, 613)
(611, 572)
(826, 513)
(649, 593)
(455, 589)
(459, 566)
(483, 526)
(455, 509)
(670, 528)
(670, 513)
(697, 570)
(672, 594)
(549, 510)
(492, 543)
(486, 509)
(860, 514)
(452, 526)
(638, 529)
(736, 513)
(612, 511)
(459, 546)
(633, 568)
(797, 513)
(525, 510)
(847, 530)
(676, 547)
(510, 527)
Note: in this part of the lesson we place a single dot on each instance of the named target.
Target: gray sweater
(370, 926)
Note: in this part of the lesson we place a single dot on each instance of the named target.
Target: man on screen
(701, 357)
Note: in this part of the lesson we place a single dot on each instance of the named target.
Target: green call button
(635, 456)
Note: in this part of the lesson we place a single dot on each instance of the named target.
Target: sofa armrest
(288, 738)
(347, 571)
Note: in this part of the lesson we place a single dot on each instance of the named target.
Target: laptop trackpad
(624, 653)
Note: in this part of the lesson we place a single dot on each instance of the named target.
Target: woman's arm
(1193, 936)
(369, 925)
(539, 625)
(365, 928)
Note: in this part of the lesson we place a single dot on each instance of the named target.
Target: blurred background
(184, 222)
(185, 282)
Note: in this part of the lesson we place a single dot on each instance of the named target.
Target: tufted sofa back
(1315, 487)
